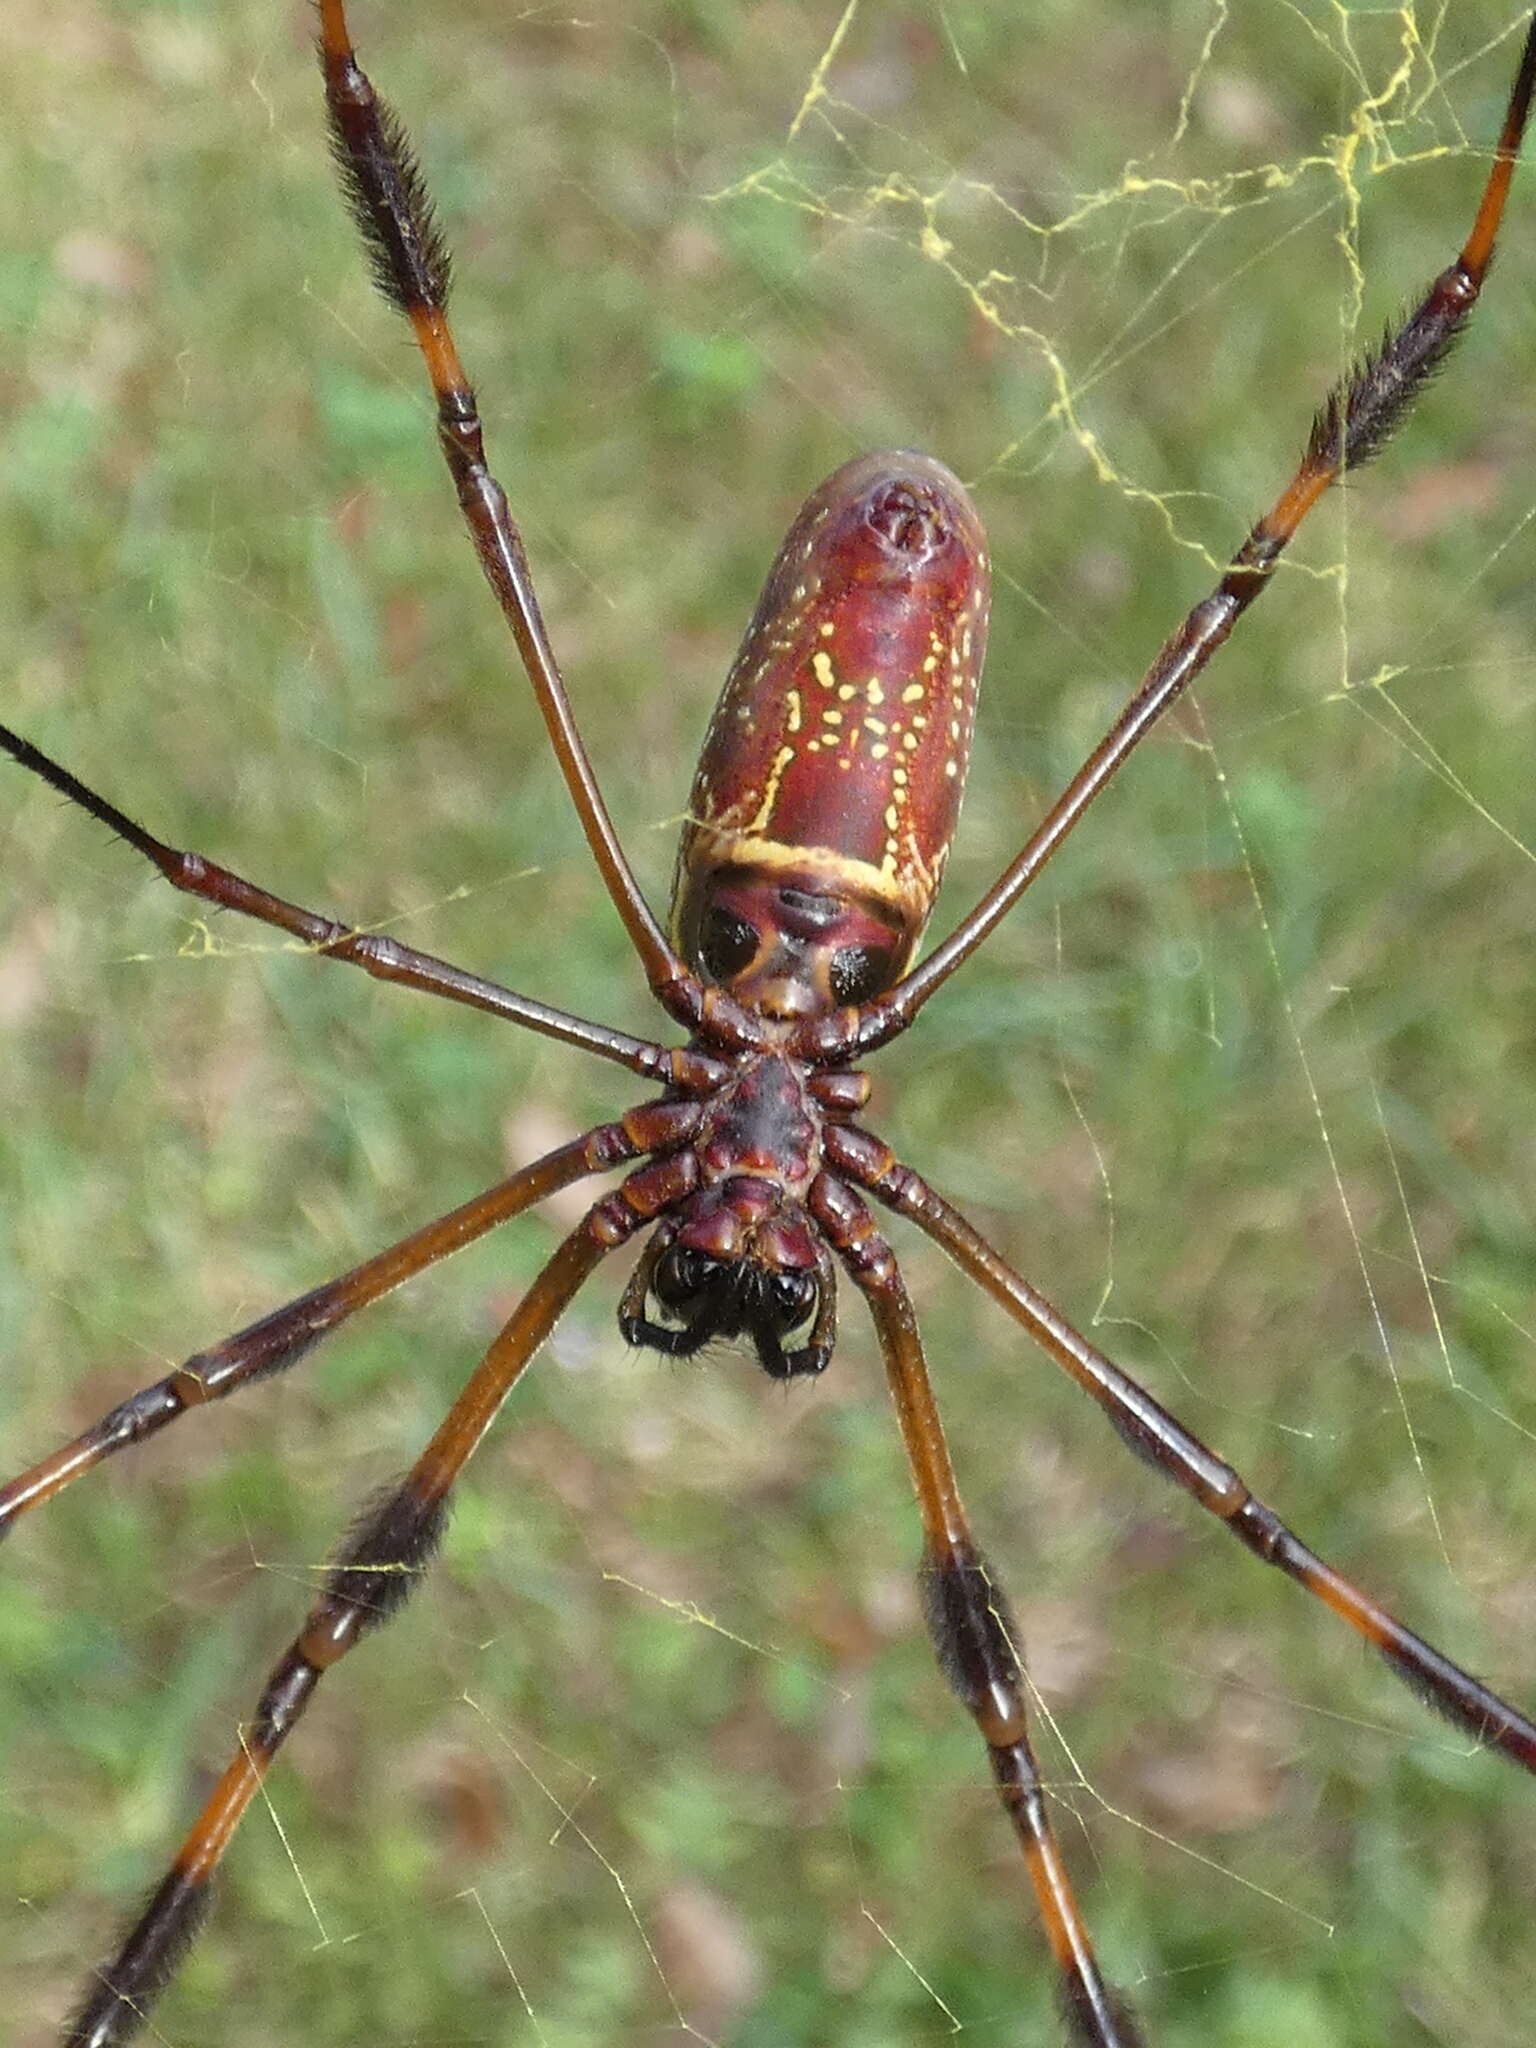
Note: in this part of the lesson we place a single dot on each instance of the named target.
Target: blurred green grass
(240, 603)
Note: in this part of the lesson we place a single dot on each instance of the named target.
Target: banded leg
(289, 1333)
(410, 266)
(1165, 1444)
(1356, 420)
(384, 958)
(381, 1564)
(974, 1634)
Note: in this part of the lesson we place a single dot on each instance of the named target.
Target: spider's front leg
(1164, 1443)
(974, 1634)
(380, 1566)
(280, 1339)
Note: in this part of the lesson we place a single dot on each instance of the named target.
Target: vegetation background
(1248, 1088)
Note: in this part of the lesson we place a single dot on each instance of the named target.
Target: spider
(804, 955)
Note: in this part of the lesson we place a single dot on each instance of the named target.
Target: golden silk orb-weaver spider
(675, 1298)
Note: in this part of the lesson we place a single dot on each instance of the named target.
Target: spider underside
(802, 893)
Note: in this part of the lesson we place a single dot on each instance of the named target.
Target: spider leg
(1156, 1436)
(380, 1566)
(411, 268)
(974, 1634)
(1358, 417)
(289, 1333)
(384, 958)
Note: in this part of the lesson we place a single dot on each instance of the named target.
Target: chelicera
(821, 817)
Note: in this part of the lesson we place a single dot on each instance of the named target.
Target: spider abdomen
(831, 775)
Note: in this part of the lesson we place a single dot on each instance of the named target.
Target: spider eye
(728, 944)
(857, 973)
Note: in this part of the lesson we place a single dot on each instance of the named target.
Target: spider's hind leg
(410, 265)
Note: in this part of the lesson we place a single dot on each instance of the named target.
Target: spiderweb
(1247, 1087)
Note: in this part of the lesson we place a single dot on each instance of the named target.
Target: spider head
(722, 1272)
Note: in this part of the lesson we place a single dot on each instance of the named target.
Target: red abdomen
(837, 753)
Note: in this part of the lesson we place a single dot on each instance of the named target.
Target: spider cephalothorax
(739, 1255)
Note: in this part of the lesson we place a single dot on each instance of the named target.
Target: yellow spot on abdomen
(781, 761)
